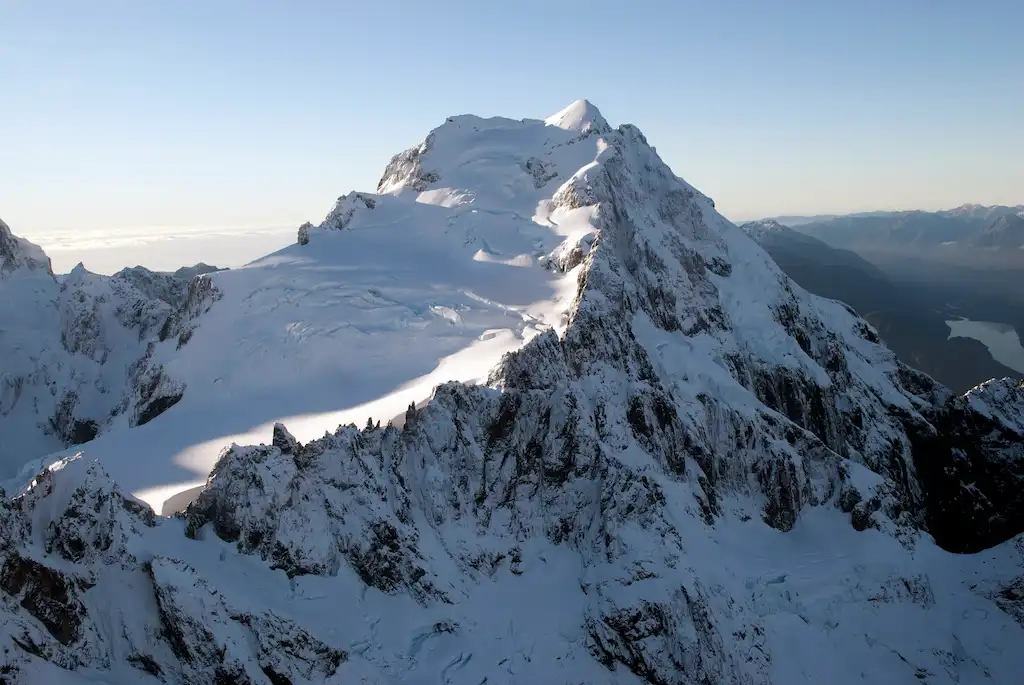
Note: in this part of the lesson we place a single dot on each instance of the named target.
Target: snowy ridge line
(697, 473)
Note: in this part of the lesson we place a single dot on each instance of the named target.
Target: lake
(1002, 340)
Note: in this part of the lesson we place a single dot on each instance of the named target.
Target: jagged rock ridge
(80, 592)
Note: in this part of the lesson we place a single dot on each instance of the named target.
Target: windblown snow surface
(615, 445)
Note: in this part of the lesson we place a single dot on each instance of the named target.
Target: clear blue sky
(230, 112)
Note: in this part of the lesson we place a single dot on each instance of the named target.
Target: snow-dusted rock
(1000, 400)
(303, 236)
(200, 295)
(164, 287)
(972, 464)
(18, 253)
(213, 642)
(97, 311)
(346, 206)
(187, 273)
(75, 512)
(78, 351)
(249, 501)
(405, 170)
(340, 216)
(76, 593)
(68, 525)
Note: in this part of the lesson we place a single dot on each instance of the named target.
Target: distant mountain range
(799, 220)
(793, 250)
(969, 234)
(971, 211)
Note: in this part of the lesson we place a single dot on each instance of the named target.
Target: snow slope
(680, 466)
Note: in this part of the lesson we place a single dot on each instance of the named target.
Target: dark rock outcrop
(970, 461)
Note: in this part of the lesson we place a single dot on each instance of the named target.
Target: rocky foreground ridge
(708, 476)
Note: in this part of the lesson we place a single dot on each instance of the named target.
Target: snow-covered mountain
(677, 465)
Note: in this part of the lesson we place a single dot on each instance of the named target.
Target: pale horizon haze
(123, 119)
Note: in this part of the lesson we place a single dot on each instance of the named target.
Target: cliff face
(704, 474)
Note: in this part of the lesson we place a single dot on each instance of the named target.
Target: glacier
(532, 411)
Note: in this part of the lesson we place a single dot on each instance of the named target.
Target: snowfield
(530, 412)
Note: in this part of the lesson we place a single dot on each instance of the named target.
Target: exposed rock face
(304, 229)
(75, 595)
(18, 253)
(971, 466)
(200, 295)
(153, 391)
(542, 172)
(340, 216)
(1010, 598)
(405, 170)
(285, 441)
(187, 273)
(214, 643)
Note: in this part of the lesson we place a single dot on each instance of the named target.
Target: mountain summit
(579, 117)
(608, 441)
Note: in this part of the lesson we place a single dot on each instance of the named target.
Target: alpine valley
(589, 433)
